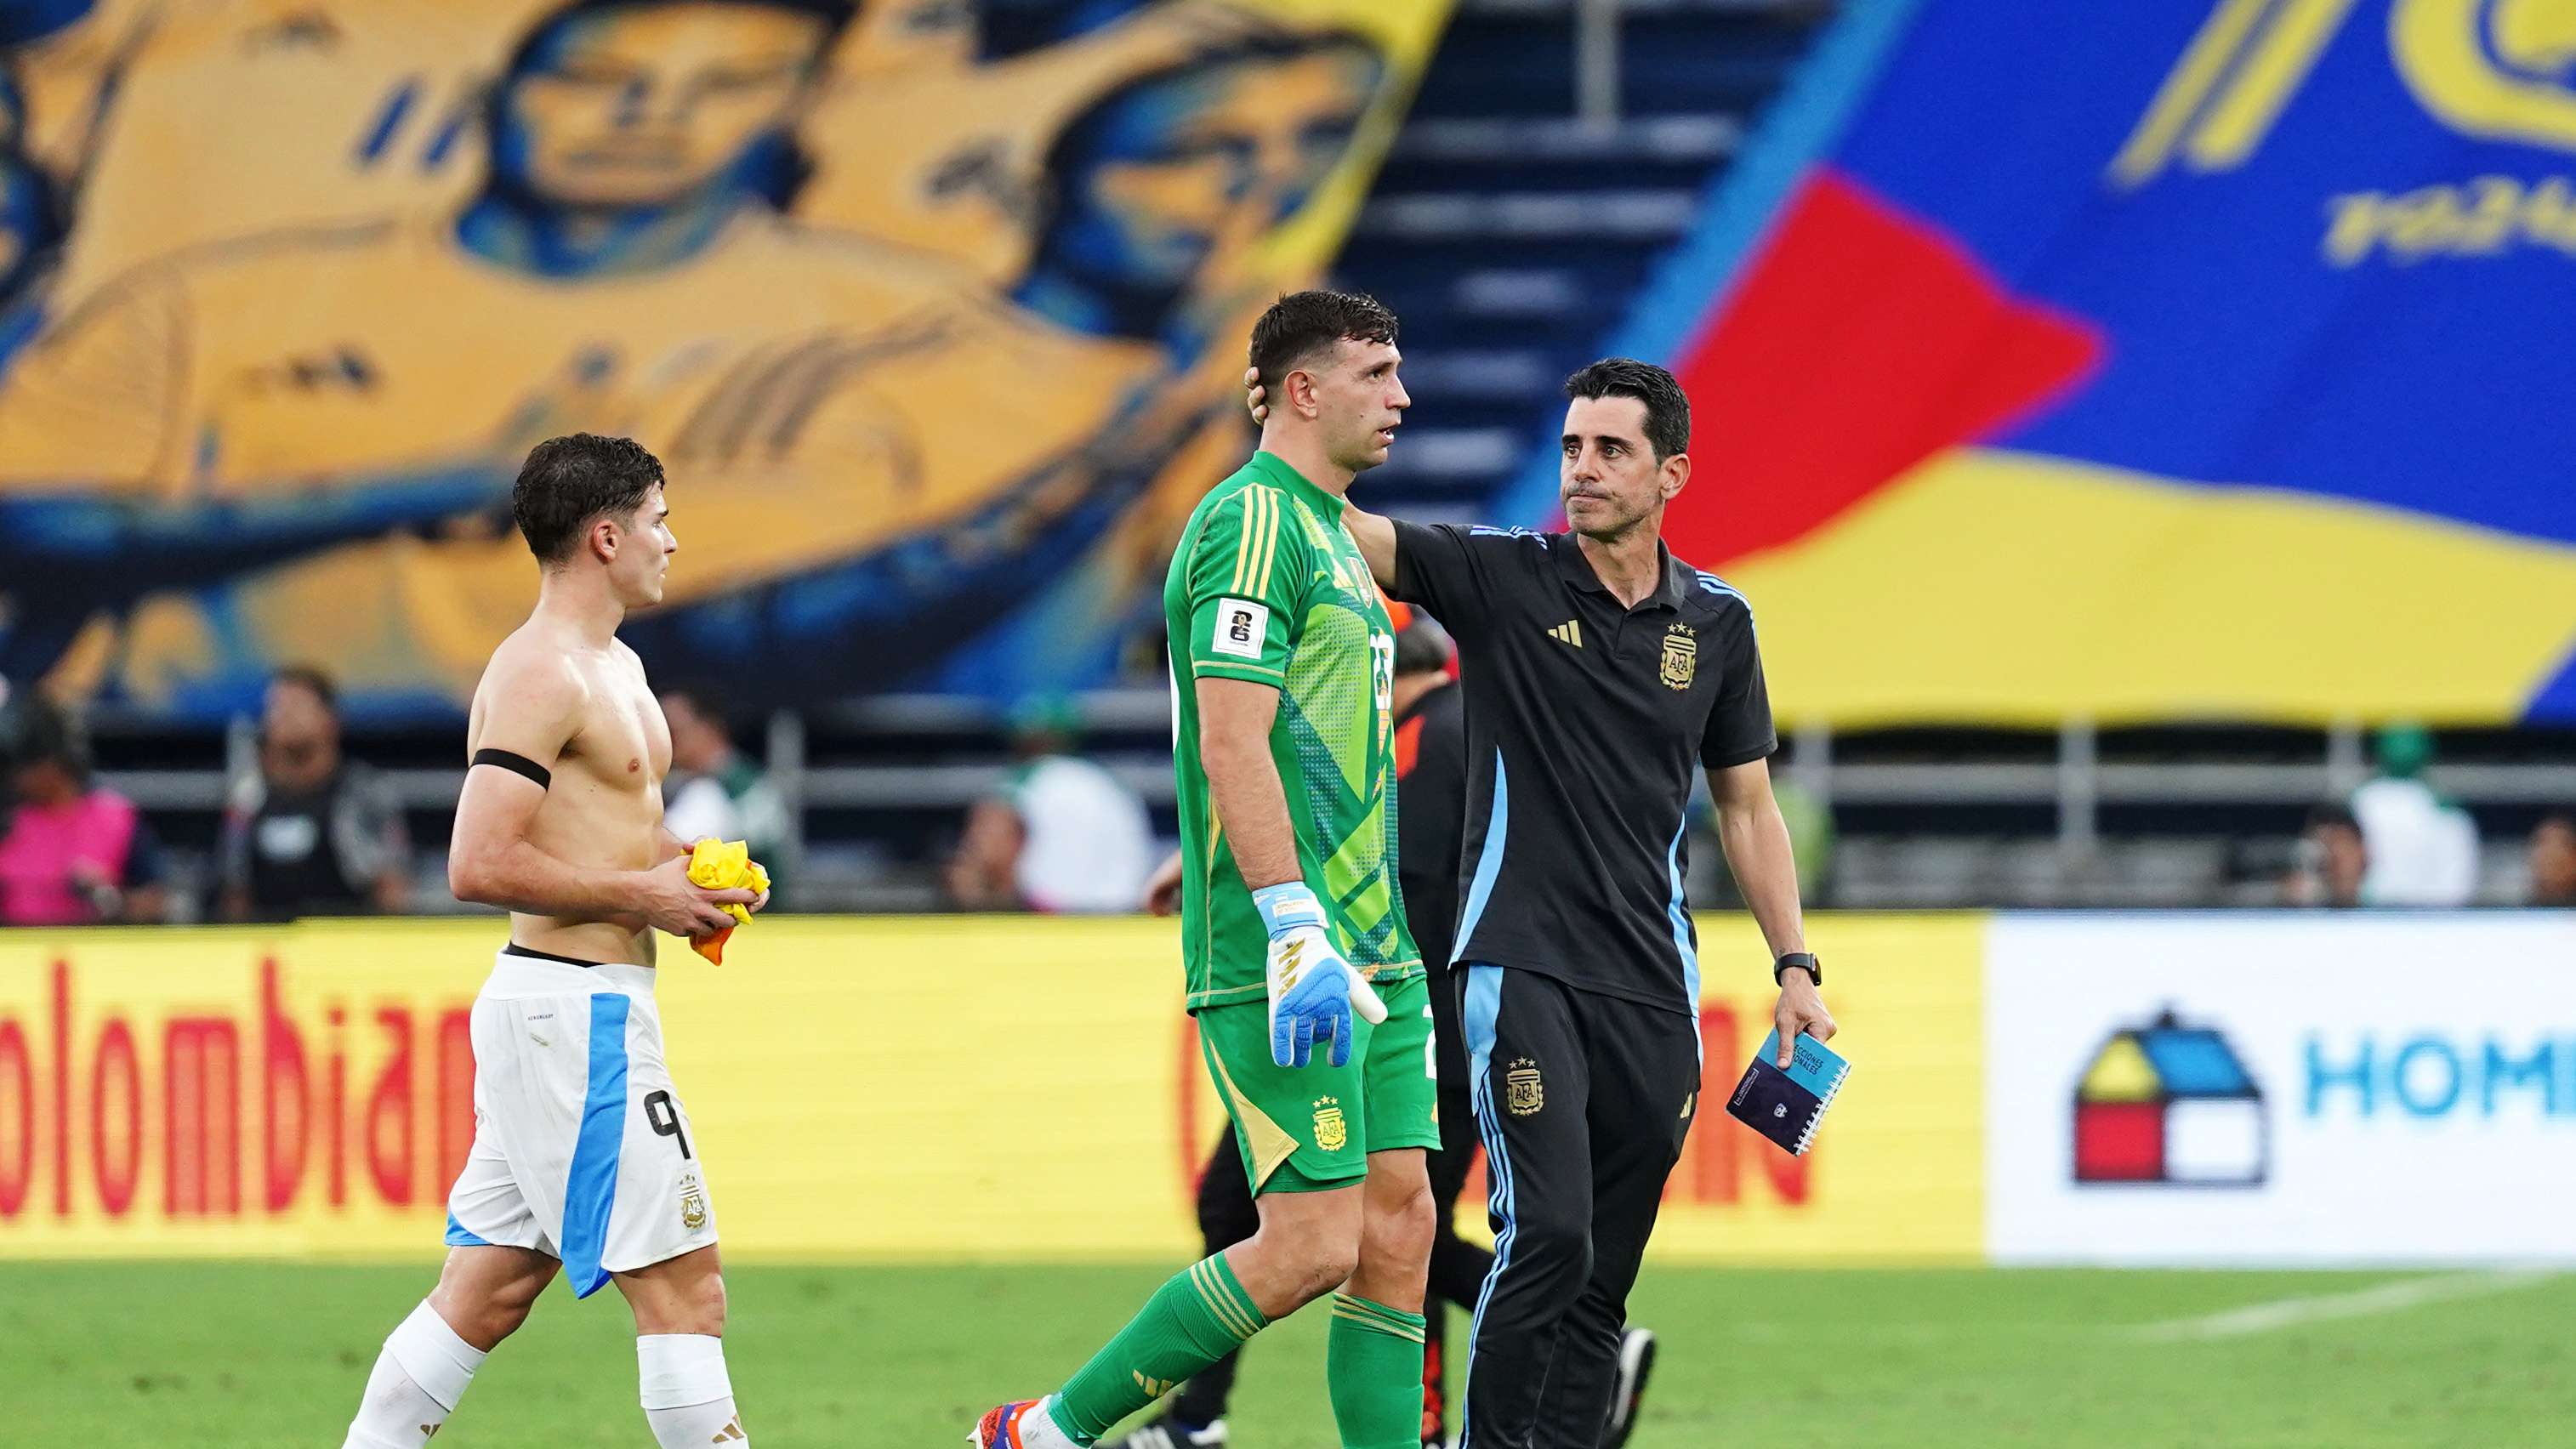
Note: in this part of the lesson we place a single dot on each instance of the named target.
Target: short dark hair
(1301, 324)
(1422, 646)
(47, 734)
(699, 699)
(2563, 819)
(2333, 815)
(569, 481)
(1667, 406)
(314, 680)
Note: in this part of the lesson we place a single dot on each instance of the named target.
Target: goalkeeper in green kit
(1313, 1009)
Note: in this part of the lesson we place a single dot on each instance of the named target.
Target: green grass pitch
(252, 1354)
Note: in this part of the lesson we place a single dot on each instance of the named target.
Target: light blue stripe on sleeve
(591, 1191)
(1489, 860)
(1679, 909)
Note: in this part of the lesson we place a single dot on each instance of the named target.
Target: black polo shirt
(1585, 722)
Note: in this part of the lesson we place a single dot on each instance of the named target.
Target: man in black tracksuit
(1598, 671)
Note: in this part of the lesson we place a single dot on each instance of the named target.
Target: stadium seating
(1511, 234)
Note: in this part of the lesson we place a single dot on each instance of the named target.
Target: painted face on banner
(642, 107)
(1182, 168)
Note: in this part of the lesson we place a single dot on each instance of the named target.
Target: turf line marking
(2321, 1307)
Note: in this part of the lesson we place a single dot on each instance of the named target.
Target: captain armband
(516, 764)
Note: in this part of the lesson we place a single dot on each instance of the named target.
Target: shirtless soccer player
(582, 1158)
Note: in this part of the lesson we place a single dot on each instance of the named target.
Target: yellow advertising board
(224, 1092)
(1897, 1171)
(889, 1088)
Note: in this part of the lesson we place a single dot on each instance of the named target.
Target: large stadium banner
(2281, 1089)
(2144, 361)
(949, 1088)
(934, 311)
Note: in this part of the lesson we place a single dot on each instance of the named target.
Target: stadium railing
(2082, 815)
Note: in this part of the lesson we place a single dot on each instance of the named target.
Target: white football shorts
(582, 1150)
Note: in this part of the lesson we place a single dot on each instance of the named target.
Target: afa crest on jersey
(1331, 1133)
(1681, 656)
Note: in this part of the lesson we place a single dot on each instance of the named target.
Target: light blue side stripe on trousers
(1483, 1007)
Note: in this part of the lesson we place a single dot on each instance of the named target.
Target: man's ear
(1301, 386)
(601, 538)
(1677, 471)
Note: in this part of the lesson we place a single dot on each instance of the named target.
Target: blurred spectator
(1813, 840)
(1812, 836)
(2423, 848)
(2332, 860)
(75, 853)
(1063, 835)
(718, 791)
(2553, 860)
(313, 833)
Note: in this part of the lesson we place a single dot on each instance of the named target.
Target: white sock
(688, 1396)
(417, 1382)
(1038, 1430)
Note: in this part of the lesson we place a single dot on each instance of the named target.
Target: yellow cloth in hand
(723, 865)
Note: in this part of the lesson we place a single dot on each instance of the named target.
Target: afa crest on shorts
(1681, 656)
(1331, 1133)
(693, 1203)
(1524, 1092)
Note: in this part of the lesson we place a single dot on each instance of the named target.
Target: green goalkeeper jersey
(1268, 587)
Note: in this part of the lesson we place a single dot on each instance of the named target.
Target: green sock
(1373, 1366)
(1198, 1317)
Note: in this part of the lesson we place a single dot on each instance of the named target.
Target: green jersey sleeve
(1246, 572)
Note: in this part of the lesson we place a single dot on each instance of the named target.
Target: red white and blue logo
(2165, 1103)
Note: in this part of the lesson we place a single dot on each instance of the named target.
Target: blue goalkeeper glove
(1313, 991)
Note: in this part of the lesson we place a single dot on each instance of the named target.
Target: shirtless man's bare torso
(584, 1161)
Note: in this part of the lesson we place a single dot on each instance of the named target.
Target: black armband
(516, 765)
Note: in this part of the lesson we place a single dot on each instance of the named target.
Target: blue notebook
(1786, 1106)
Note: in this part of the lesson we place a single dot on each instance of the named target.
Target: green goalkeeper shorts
(1311, 1128)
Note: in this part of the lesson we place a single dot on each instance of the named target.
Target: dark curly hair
(1302, 324)
(570, 481)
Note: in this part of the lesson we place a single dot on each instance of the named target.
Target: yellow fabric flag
(722, 865)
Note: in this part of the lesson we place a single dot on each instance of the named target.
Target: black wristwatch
(1804, 959)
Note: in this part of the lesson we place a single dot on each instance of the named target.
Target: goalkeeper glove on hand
(1313, 991)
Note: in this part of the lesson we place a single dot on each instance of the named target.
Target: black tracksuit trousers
(1584, 1100)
